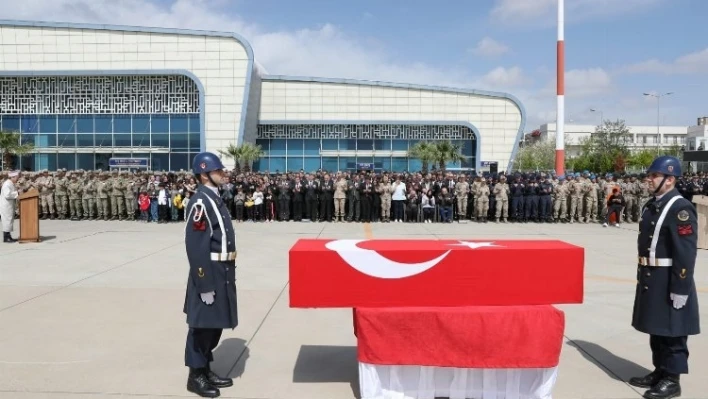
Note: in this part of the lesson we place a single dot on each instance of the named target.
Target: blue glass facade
(80, 122)
(87, 142)
(342, 147)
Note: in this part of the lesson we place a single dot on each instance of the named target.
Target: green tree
(426, 152)
(537, 156)
(606, 150)
(446, 151)
(11, 144)
(674, 151)
(234, 152)
(641, 159)
(243, 155)
(250, 153)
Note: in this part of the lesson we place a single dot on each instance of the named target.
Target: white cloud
(583, 83)
(505, 77)
(692, 63)
(544, 12)
(488, 47)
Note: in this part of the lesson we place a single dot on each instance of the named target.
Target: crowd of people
(363, 196)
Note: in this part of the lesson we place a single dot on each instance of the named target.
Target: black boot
(217, 381)
(7, 237)
(667, 388)
(648, 380)
(198, 383)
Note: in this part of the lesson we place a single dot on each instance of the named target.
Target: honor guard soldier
(210, 302)
(666, 304)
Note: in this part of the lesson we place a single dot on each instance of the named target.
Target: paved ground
(95, 311)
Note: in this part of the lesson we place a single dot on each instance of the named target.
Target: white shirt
(257, 198)
(399, 191)
(162, 197)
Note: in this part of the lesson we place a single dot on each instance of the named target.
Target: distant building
(86, 95)
(642, 137)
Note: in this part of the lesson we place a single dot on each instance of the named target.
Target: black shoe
(648, 380)
(199, 384)
(666, 388)
(8, 238)
(217, 381)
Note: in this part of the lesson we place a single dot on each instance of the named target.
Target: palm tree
(249, 154)
(426, 152)
(236, 153)
(446, 151)
(11, 144)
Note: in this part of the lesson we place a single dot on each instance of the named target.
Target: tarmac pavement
(95, 311)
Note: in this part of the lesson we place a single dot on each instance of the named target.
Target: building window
(295, 147)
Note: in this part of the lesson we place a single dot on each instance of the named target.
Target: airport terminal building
(88, 94)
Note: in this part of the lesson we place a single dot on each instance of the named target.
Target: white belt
(219, 257)
(657, 262)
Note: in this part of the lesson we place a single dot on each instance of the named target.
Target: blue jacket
(210, 242)
(667, 250)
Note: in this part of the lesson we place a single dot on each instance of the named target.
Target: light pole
(658, 121)
(602, 120)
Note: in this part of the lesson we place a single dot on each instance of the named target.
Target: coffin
(436, 273)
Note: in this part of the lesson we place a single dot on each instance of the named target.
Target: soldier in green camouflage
(117, 198)
(74, 188)
(103, 187)
(61, 194)
(88, 196)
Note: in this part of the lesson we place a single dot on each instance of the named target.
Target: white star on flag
(475, 245)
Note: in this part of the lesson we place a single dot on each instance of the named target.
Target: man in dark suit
(666, 303)
(210, 302)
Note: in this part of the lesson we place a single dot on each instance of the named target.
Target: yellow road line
(367, 231)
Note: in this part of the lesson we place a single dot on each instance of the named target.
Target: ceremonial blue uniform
(211, 249)
(210, 301)
(667, 250)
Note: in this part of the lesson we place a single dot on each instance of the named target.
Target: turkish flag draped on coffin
(391, 273)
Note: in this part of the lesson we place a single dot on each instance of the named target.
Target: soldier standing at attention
(665, 302)
(462, 188)
(210, 302)
(501, 193)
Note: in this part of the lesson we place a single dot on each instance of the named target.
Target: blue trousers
(200, 344)
(669, 354)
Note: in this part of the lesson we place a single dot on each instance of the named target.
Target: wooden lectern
(701, 202)
(29, 216)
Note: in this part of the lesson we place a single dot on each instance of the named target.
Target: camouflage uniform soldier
(46, 194)
(560, 205)
(591, 200)
(576, 199)
(461, 190)
(501, 198)
(482, 195)
(385, 190)
(74, 187)
(88, 195)
(61, 194)
(103, 187)
(632, 200)
(117, 204)
(130, 192)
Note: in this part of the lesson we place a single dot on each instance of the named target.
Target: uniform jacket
(674, 243)
(209, 236)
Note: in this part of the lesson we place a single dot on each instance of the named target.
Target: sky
(616, 50)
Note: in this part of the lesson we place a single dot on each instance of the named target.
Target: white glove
(679, 300)
(208, 297)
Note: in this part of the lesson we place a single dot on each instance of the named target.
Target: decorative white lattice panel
(99, 95)
(388, 131)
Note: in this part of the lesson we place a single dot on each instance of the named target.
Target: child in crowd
(144, 205)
